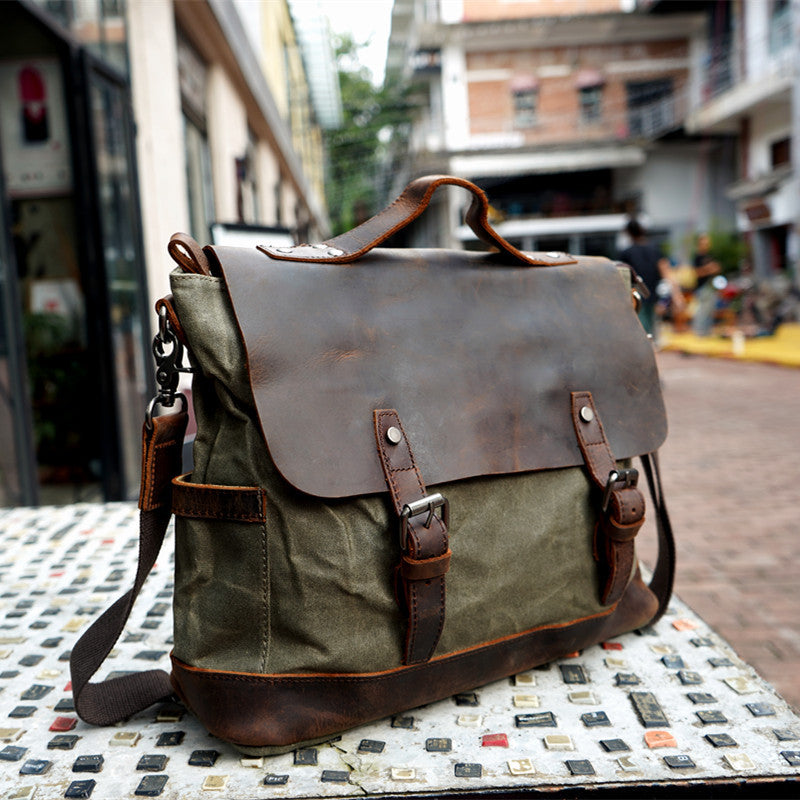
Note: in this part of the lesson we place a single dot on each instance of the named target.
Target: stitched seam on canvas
(267, 614)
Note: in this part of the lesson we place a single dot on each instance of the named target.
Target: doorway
(75, 269)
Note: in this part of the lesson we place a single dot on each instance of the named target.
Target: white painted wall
(455, 101)
(771, 123)
(227, 139)
(159, 142)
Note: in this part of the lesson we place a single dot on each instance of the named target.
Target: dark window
(591, 100)
(781, 152)
(525, 104)
(651, 107)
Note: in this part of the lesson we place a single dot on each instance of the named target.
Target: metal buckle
(428, 504)
(619, 479)
(168, 353)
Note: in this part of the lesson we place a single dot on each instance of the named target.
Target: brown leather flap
(478, 358)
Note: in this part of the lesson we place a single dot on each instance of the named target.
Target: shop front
(74, 374)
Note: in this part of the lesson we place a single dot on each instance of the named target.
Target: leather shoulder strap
(663, 579)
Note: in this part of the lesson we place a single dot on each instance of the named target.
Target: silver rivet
(394, 436)
(586, 413)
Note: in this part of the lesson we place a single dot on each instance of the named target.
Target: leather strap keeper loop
(421, 569)
(620, 533)
(209, 501)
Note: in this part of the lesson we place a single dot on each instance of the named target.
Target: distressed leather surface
(477, 356)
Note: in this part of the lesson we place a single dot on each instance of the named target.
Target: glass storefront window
(99, 24)
(119, 214)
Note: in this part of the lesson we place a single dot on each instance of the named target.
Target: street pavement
(731, 470)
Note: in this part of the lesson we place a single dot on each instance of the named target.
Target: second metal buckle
(428, 504)
(619, 479)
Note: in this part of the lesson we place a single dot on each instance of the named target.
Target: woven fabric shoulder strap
(114, 700)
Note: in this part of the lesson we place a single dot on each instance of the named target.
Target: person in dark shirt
(650, 266)
(705, 268)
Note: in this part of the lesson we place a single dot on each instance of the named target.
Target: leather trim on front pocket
(210, 501)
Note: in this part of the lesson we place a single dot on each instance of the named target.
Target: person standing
(705, 268)
(651, 267)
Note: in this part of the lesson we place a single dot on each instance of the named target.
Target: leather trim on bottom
(253, 710)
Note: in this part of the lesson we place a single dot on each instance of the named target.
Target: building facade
(569, 114)
(120, 123)
(749, 81)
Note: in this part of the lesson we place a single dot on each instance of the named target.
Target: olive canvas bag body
(413, 475)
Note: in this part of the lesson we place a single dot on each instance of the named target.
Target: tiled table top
(671, 705)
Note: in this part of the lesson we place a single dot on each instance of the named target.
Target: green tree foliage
(357, 151)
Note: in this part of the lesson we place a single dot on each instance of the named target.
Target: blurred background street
(731, 478)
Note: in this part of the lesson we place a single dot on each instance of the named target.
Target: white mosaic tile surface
(60, 567)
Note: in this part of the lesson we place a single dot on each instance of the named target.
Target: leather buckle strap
(425, 549)
(622, 504)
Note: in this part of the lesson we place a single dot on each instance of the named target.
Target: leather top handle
(405, 209)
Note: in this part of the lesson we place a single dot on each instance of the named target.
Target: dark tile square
(306, 757)
(700, 698)
(595, 719)
(580, 767)
(54, 642)
(35, 766)
(614, 745)
(545, 719)
(573, 673)
(649, 710)
(721, 740)
(203, 758)
(64, 704)
(673, 662)
(720, 662)
(170, 738)
(711, 717)
(22, 712)
(371, 746)
(466, 699)
(150, 655)
(438, 745)
(88, 764)
(152, 763)
(785, 734)
(335, 776)
(151, 785)
(12, 753)
(792, 757)
(36, 692)
(689, 678)
(64, 741)
(30, 661)
(468, 770)
(79, 789)
(275, 780)
(626, 679)
(679, 762)
(761, 709)
(403, 722)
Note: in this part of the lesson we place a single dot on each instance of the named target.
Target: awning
(588, 78)
(520, 84)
